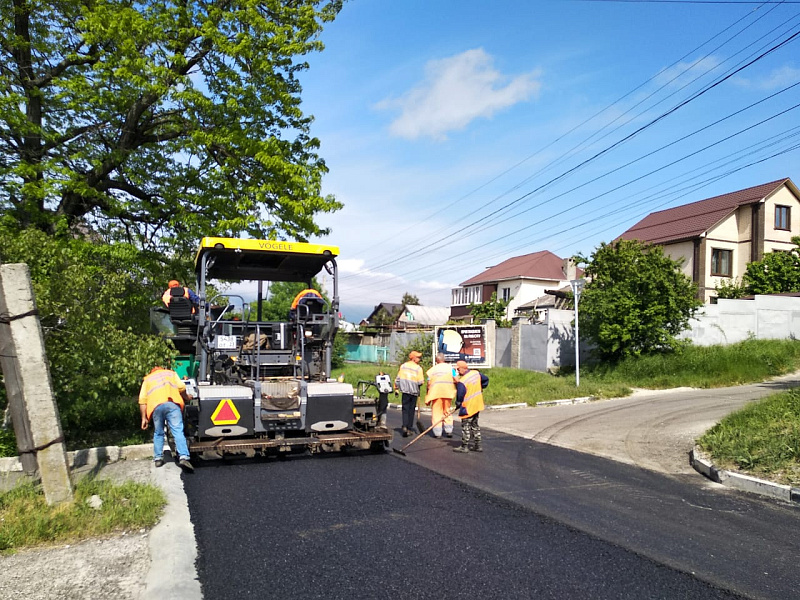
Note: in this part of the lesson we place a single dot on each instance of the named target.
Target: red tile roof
(691, 220)
(539, 265)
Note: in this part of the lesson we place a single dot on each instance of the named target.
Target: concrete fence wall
(551, 345)
(732, 321)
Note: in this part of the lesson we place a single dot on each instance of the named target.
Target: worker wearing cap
(162, 398)
(409, 380)
(183, 291)
(441, 392)
(469, 403)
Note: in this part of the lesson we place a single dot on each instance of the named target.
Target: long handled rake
(439, 422)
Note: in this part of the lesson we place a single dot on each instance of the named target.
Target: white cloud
(456, 91)
(682, 73)
(777, 79)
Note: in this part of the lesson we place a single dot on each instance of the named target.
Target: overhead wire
(573, 129)
(481, 221)
(694, 96)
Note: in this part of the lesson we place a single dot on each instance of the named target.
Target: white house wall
(778, 239)
(682, 251)
(526, 290)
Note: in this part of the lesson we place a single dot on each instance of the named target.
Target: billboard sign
(462, 342)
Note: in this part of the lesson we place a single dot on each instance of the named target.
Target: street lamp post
(577, 287)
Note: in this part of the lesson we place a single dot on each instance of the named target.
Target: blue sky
(461, 133)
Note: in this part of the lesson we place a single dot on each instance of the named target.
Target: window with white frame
(506, 294)
(463, 296)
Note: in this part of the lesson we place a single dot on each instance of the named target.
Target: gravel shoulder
(98, 569)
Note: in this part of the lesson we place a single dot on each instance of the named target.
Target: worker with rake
(469, 403)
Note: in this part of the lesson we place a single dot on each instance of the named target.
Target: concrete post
(30, 392)
(516, 331)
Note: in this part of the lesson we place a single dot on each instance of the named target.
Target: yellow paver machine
(265, 387)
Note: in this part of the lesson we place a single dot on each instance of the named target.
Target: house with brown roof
(716, 238)
(520, 279)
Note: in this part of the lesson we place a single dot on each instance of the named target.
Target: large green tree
(162, 120)
(636, 300)
(93, 301)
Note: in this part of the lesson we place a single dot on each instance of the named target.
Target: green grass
(26, 520)
(701, 367)
(762, 439)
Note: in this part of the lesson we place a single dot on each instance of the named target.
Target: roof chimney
(570, 269)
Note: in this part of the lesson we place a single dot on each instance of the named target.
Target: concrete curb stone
(703, 465)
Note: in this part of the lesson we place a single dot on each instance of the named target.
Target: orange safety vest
(440, 382)
(160, 386)
(167, 296)
(303, 294)
(409, 378)
(473, 398)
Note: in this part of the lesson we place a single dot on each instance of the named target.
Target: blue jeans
(170, 412)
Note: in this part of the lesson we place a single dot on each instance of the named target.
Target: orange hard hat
(174, 283)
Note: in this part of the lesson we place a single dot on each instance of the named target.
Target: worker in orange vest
(161, 399)
(305, 296)
(469, 402)
(441, 392)
(174, 288)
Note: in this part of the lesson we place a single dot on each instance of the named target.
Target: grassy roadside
(762, 439)
(27, 521)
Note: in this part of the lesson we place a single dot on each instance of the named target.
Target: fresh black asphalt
(521, 520)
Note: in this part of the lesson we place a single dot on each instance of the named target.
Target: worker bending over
(441, 392)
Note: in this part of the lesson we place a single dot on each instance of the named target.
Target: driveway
(651, 429)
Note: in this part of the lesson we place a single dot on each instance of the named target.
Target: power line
(631, 135)
(456, 202)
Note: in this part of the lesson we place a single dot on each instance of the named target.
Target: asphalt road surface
(378, 526)
(524, 519)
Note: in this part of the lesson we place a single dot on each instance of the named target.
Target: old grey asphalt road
(652, 429)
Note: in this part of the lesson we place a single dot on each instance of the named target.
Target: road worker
(162, 398)
(174, 288)
(469, 403)
(409, 380)
(306, 297)
(441, 392)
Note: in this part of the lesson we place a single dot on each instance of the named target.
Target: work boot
(477, 448)
(448, 434)
(462, 448)
(186, 465)
(159, 462)
(405, 432)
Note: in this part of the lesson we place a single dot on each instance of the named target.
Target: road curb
(580, 400)
(89, 457)
(488, 407)
(703, 465)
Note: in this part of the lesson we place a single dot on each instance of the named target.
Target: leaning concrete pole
(30, 393)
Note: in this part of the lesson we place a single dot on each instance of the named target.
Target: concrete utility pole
(577, 287)
(30, 393)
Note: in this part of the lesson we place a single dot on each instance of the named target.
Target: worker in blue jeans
(161, 399)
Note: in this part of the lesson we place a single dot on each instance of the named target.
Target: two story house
(716, 238)
(519, 279)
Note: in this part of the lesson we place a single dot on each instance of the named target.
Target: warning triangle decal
(225, 413)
